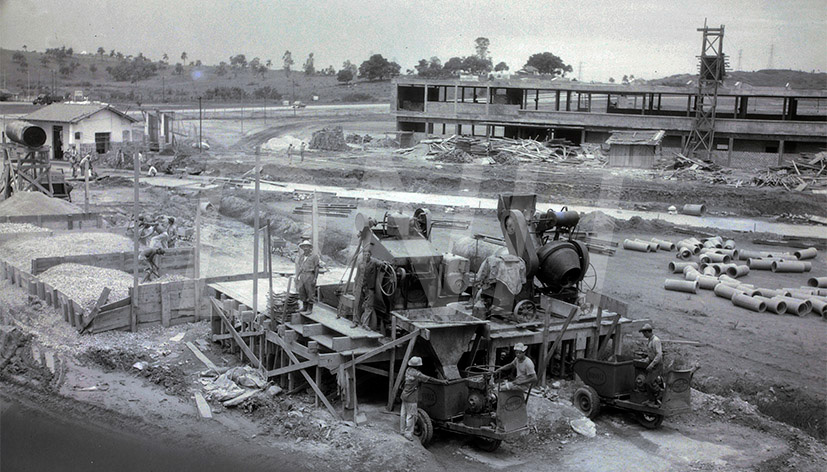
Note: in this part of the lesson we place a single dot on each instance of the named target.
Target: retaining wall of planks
(177, 261)
(78, 220)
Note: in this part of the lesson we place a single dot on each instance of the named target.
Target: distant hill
(88, 73)
(760, 78)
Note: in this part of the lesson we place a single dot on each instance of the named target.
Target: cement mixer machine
(535, 256)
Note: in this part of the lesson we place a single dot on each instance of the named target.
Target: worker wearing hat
(524, 366)
(307, 272)
(410, 396)
(654, 364)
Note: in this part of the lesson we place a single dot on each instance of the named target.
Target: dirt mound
(329, 139)
(647, 226)
(597, 221)
(456, 156)
(17, 361)
(36, 203)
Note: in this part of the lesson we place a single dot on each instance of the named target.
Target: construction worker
(74, 159)
(654, 366)
(301, 151)
(369, 268)
(152, 256)
(172, 231)
(410, 396)
(524, 366)
(290, 154)
(307, 272)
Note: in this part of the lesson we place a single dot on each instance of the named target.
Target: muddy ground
(761, 379)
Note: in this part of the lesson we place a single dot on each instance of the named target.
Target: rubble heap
(329, 139)
(796, 174)
(510, 151)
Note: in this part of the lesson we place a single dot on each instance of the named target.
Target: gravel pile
(84, 284)
(10, 228)
(21, 251)
(36, 203)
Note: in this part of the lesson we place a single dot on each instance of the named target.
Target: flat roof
(547, 84)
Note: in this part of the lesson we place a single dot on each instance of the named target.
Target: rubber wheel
(487, 444)
(424, 427)
(587, 401)
(649, 420)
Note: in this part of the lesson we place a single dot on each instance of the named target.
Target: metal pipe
(809, 253)
(737, 271)
(25, 133)
(632, 245)
(796, 306)
(706, 282)
(725, 291)
(791, 266)
(774, 305)
(820, 282)
(676, 267)
(688, 286)
(748, 302)
(665, 245)
(759, 264)
(694, 210)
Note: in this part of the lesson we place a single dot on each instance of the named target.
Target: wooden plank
(292, 368)
(390, 345)
(238, 339)
(559, 305)
(372, 370)
(243, 334)
(96, 309)
(203, 407)
(605, 345)
(306, 376)
(112, 319)
(201, 357)
(398, 383)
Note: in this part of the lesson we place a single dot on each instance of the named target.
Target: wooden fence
(177, 261)
(78, 220)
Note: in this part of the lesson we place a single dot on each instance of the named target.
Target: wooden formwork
(79, 220)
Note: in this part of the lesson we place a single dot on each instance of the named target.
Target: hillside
(760, 78)
(91, 77)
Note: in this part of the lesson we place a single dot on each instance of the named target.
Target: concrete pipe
(820, 282)
(790, 266)
(26, 134)
(797, 306)
(694, 210)
(718, 257)
(779, 255)
(690, 247)
(732, 253)
(707, 282)
(768, 292)
(691, 274)
(818, 305)
(727, 278)
(722, 268)
(689, 269)
(729, 244)
(747, 254)
(665, 245)
(795, 293)
(676, 267)
(640, 246)
(774, 305)
(684, 253)
(705, 258)
(725, 291)
(719, 241)
(653, 246)
(809, 253)
(737, 271)
(729, 283)
(750, 303)
(759, 264)
(710, 271)
(710, 244)
(688, 286)
(694, 241)
(748, 290)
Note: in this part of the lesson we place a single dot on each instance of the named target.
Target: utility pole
(580, 72)
(163, 89)
(199, 126)
(772, 50)
(740, 53)
(242, 120)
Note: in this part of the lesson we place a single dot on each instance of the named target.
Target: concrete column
(487, 98)
(729, 151)
(456, 91)
(780, 152)
(425, 105)
(582, 136)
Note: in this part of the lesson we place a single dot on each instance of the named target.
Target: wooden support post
(544, 346)
(255, 229)
(196, 267)
(133, 312)
(601, 352)
(396, 385)
(572, 311)
(729, 151)
(238, 339)
(593, 346)
(781, 152)
(392, 363)
(318, 382)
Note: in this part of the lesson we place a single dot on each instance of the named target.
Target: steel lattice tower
(712, 72)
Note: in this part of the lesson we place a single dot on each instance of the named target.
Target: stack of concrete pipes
(648, 246)
(716, 271)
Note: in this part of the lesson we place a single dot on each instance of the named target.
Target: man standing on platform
(307, 272)
(369, 270)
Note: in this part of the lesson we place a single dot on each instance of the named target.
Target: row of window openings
(102, 140)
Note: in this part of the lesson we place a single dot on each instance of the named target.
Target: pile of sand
(281, 143)
(36, 203)
(329, 139)
(597, 221)
(20, 251)
(11, 228)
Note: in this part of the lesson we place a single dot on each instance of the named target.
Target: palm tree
(184, 56)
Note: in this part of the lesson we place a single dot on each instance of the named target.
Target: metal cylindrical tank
(476, 250)
(26, 134)
(454, 269)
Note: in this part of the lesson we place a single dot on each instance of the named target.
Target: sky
(599, 39)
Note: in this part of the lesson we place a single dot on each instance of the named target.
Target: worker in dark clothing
(152, 256)
(307, 273)
(410, 396)
(654, 367)
(369, 270)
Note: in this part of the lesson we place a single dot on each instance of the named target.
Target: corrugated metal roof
(639, 137)
(71, 112)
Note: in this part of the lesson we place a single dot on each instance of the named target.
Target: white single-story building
(91, 127)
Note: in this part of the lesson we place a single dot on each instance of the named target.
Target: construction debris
(464, 149)
(329, 139)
